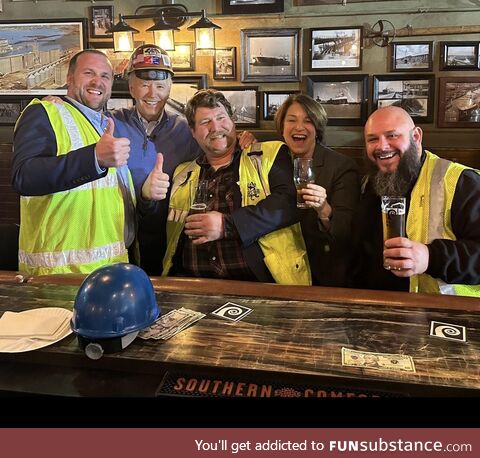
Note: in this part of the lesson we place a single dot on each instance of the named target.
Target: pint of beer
(198, 198)
(393, 217)
(302, 175)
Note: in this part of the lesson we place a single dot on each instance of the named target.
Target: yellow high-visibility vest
(284, 249)
(429, 218)
(80, 229)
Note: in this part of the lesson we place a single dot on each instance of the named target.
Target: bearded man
(441, 252)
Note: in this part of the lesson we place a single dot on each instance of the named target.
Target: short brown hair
(314, 110)
(208, 98)
(73, 61)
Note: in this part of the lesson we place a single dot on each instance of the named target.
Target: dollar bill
(383, 361)
(171, 324)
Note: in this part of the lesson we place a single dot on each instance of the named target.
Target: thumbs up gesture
(157, 183)
(111, 151)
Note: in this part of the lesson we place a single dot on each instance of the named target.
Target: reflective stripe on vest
(66, 258)
(284, 249)
(79, 229)
(429, 218)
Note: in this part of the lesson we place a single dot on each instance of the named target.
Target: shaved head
(394, 146)
(395, 115)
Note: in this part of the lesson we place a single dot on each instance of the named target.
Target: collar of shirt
(97, 118)
(150, 125)
(202, 160)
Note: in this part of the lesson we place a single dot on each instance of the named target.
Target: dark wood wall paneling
(9, 208)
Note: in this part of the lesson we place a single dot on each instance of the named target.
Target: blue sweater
(173, 138)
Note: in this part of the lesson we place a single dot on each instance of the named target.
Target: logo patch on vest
(253, 192)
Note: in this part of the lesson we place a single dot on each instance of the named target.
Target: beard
(400, 182)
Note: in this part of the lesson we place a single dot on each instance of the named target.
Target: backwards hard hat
(112, 305)
(150, 62)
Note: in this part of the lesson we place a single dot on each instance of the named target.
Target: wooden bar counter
(289, 345)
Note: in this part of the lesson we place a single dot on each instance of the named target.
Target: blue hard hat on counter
(113, 302)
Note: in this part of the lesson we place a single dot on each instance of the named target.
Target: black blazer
(329, 251)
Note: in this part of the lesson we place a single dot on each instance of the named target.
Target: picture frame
(252, 6)
(459, 55)
(459, 102)
(225, 63)
(102, 20)
(59, 40)
(270, 55)
(183, 88)
(183, 58)
(344, 97)
(414, 93)
(10, 109)
(272, 100)
(245, 101)
(336, 48)
(412, 56)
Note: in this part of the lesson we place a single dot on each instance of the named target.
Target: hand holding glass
(198, 198)
(302, 175)
(393, 218)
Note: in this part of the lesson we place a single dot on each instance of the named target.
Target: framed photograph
(251, 6)
(459, 102)
(414, 56)
(10, 109)
(245, 104)
(183, 58)
(344, 97)
(414, 93)
(183, 88)
(35, 54)
(225, 63)
(270, 55)
(272, 101)
(102, 21)
(459, 55)
(336, 48)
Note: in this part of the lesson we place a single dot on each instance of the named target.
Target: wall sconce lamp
(167, 19)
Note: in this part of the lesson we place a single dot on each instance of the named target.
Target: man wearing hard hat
(152, 129)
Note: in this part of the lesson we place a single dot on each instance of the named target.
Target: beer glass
(393, 218)
(302, 175)
(198, 199)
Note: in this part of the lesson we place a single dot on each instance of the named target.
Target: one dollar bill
(385, 361)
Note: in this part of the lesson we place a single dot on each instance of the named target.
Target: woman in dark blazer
(327, 222)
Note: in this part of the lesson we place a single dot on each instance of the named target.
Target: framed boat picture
(413, 93)
(344, 97)
(270, 55)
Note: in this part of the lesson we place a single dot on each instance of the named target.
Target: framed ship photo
(414, 93)
(344, 98)
(270, 55)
